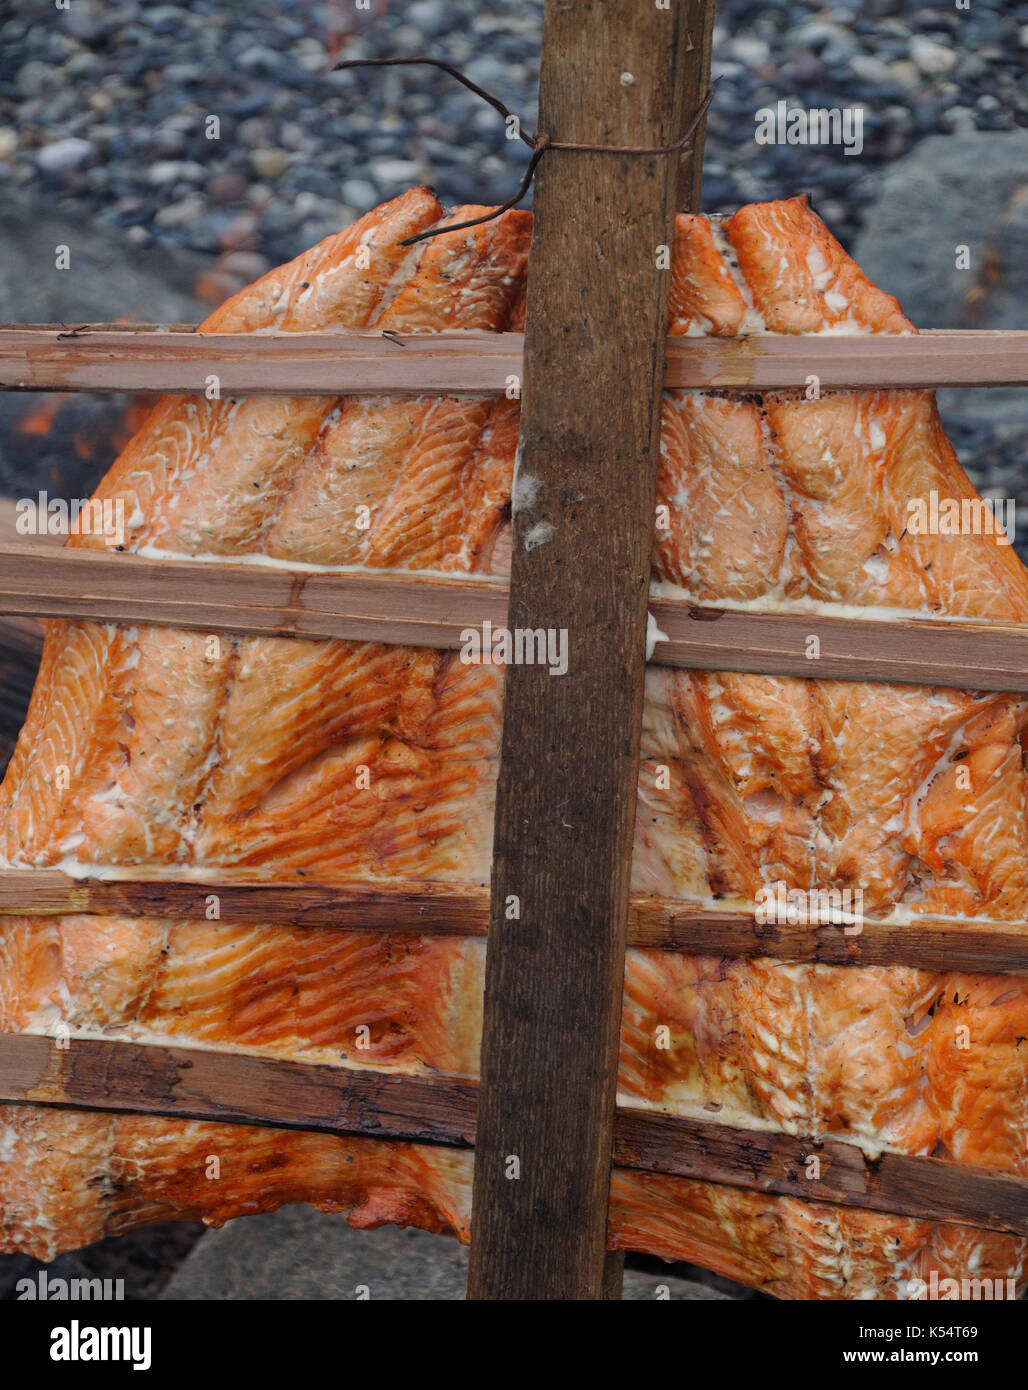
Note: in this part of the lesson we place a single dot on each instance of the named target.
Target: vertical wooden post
(612, 73)
(699, 28)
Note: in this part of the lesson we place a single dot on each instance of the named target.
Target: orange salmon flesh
(156, 749)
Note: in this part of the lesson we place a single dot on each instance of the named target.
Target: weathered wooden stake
(584, 492)
(695, 79)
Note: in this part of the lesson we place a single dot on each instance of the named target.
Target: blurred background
(106, 110)
(103, 108)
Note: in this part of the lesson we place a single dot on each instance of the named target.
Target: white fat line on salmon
(44, 515)
(815, 125)
(524, 646)
(963, 516)
(802, 607)
(64, 1038)
(753, 320)
(207, 557)
(951, 760)
(405, 270)
(778, 903)
(653, 635)
(78, 1343)
(659, 588)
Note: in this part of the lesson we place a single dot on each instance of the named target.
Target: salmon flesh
(164, 751)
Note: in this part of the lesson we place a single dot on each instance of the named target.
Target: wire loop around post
(539, 143)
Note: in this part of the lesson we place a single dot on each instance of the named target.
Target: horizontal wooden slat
(933, 943)
(190, 1083)
(930, 1189)
(62, 331)
(424, 610)
(779, 361)
(141, 358)
(204, 1085)
(457, 909)
(294, 364)
(930, 943)
(945, 652)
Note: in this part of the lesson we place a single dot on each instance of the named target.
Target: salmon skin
(149, 749)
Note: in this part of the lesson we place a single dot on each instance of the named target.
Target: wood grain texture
(190, 1083)
(440, 909)
(584, 492)
(694, 76)
(943, 652)
(930, 943)
(212, 596)
(52, 358)
(930, 1189)
(294, 364)
(194, 1083)
(768, 362)
(39, 580)
(77, 330)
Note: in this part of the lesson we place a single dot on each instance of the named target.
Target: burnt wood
(198, 1084)
(193, 1083)
(929, 943)
(928, 1189)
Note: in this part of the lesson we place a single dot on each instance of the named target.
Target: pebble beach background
(102, 106)
(105, 110)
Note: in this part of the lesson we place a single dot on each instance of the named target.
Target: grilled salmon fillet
(171, 752)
